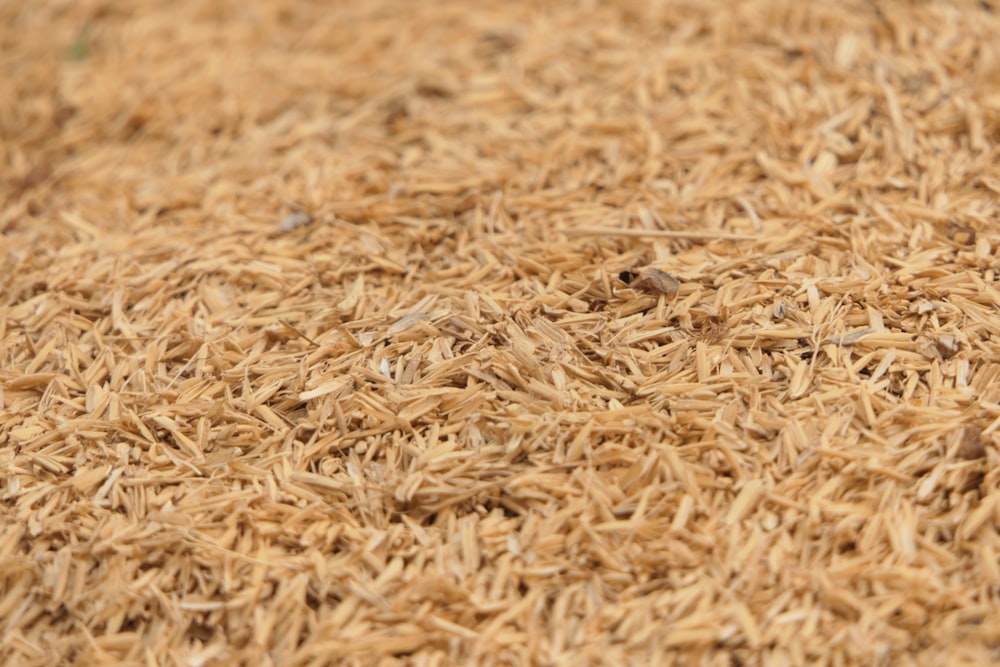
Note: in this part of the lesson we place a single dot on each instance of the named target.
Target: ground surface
(435, 426)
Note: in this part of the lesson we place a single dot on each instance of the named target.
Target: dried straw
(314, 351)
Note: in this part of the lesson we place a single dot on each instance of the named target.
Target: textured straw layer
(555, 333)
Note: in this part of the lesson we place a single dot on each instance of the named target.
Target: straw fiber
(514, 333)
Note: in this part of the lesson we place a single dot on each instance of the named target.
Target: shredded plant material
(615, 333)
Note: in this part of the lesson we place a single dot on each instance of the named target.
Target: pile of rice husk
(522, 333)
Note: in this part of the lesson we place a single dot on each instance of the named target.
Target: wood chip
(651, 279)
